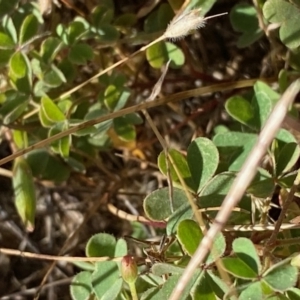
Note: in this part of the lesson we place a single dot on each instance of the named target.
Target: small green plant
(244, 19)
(38, 76)
(208, 170)
(103, 278)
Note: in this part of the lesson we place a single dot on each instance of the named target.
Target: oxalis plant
(208, 171)
(218, 238)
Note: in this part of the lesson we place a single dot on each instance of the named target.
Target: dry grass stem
(146, 105)
(54, 258)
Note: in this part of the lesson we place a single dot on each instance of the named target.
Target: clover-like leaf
(75, 164)
(160, 269)
(81, 286)
(20, 138)
(80, 53)
(161, 52)
(296, 260)
(165, 291)
(238, 268)
(283, 80)
(107, 33)
(75, 32)
(61, 31)
(121, 248)
(126, 20)
(113, 291)
(157, 55)
(184, 212)
(51, 111)
(284, 137)
(82, 132)
(150, 279)
(240, 109)
(158, 204)
(214, 192)
(10, 28)
(124, 130)
(49, 48)
(102, 14)
(25, 199)
(287, 157)
(203, 160)
(46, 166)
(293, 293)
(243, 19)
(19, 64)
(287, 14)
(262, 103)
(189, 235)
(101, 244)
(106, 280)
(285, 150)
(5, 55)
(263, 184)
(218, 249)
(234, 147)
(211, 282)
(165, 165)
(23, 84)
(134, 118)
(246, 252)
(6, 41)
(69, 70)
(28, 29)
(115, 97)
(44, 119)
(54, 77)
(150, 293)
(281, 276)
(61, 146)
(252, 291)
(204, 289)
(37, 160)
(12, 101)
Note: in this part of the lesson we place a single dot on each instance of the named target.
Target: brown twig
(287, 202)
(55, 258)
(133, 218)
(132, 109)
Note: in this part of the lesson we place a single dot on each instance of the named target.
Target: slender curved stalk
(133, 291)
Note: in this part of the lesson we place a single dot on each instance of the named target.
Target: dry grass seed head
(183, 24)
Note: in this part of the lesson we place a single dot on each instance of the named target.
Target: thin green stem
(133, 291)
